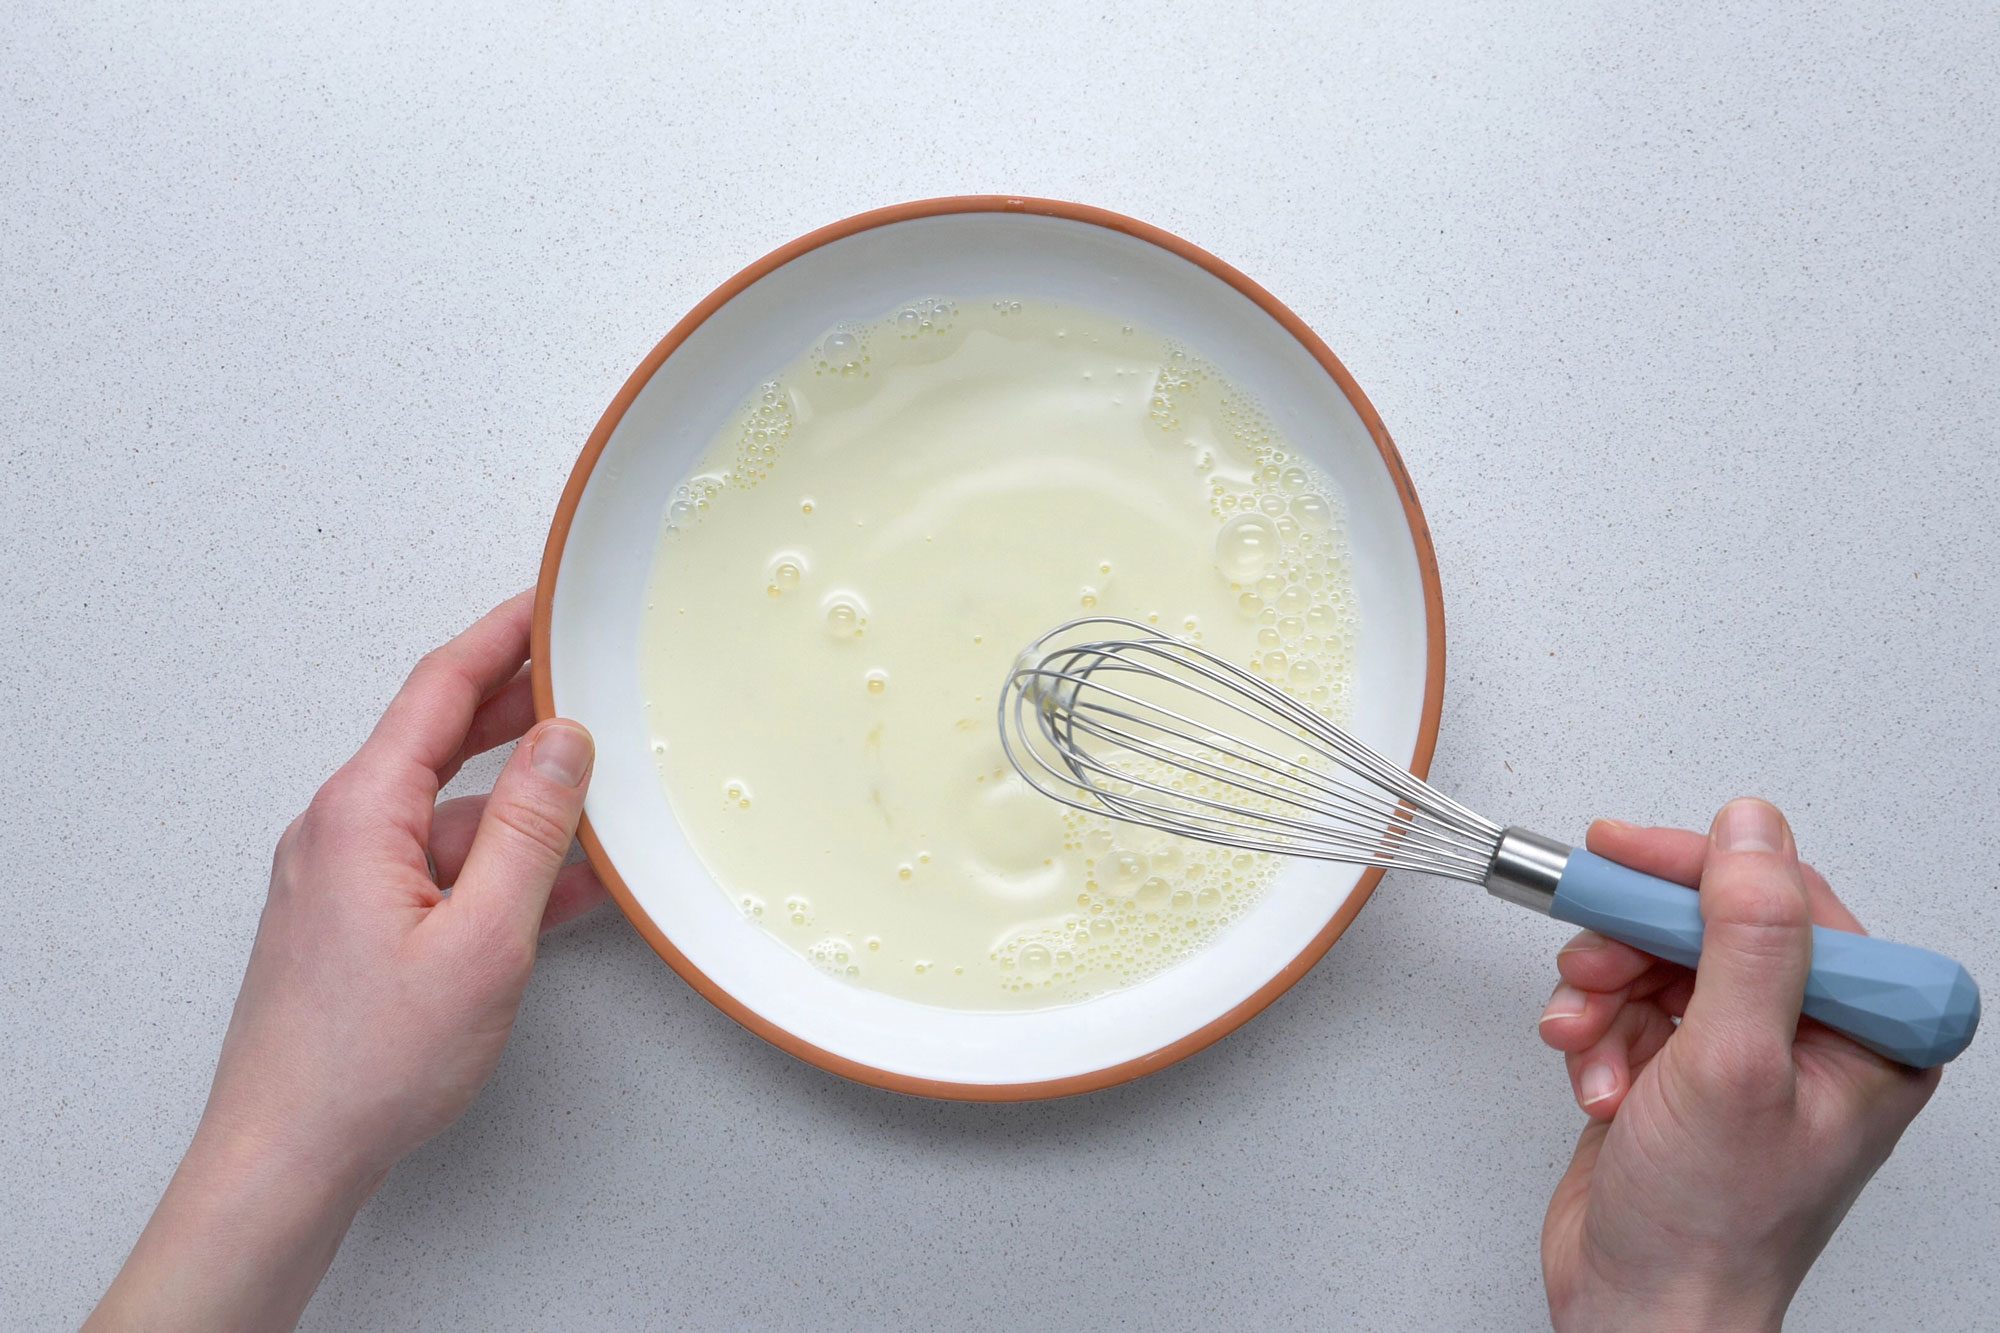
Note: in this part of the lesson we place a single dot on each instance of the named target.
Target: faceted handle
(1914, 1006)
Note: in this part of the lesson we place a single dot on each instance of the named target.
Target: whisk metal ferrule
(1526, 869)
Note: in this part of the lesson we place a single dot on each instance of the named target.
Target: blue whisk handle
(1916, 1007)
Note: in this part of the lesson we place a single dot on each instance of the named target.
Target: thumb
(526, 829)
(1756, 942)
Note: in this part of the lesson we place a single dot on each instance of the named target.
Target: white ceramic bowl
(601, 547)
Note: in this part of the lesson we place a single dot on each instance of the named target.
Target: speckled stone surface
(1685, 323)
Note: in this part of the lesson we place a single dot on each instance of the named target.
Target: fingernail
(1583, 943)
(1617, 824)
(1596, 1083)
(1567, 1002)
(562, 753)
(1747, 824)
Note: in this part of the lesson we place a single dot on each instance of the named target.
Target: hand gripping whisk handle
(1916, 1007)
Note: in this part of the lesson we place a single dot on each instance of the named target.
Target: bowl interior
(605, 561)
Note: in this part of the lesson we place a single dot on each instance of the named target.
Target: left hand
(377, 999)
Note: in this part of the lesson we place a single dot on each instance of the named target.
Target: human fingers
(1756, 948)
(1574, 1018)
(452, 828)
(1677, 855)
(1673, 996)
(504, 716)
(1594, 963)
(429, 719)
(1592, 990)
(1601, 1074)
(525, 831)
(577, 890)
(1666, 853)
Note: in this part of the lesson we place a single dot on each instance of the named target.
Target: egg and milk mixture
(843, 583)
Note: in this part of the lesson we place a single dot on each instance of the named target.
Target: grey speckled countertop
(1687, 325)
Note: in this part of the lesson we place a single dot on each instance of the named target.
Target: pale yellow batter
(844, 581)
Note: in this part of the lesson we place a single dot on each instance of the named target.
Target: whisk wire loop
(1153, 730)
(1338, 807)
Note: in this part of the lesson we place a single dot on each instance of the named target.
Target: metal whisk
(1112, 717)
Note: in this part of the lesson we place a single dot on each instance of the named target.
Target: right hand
(1722, 1151)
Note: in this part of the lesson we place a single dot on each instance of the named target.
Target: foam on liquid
(846, 577)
